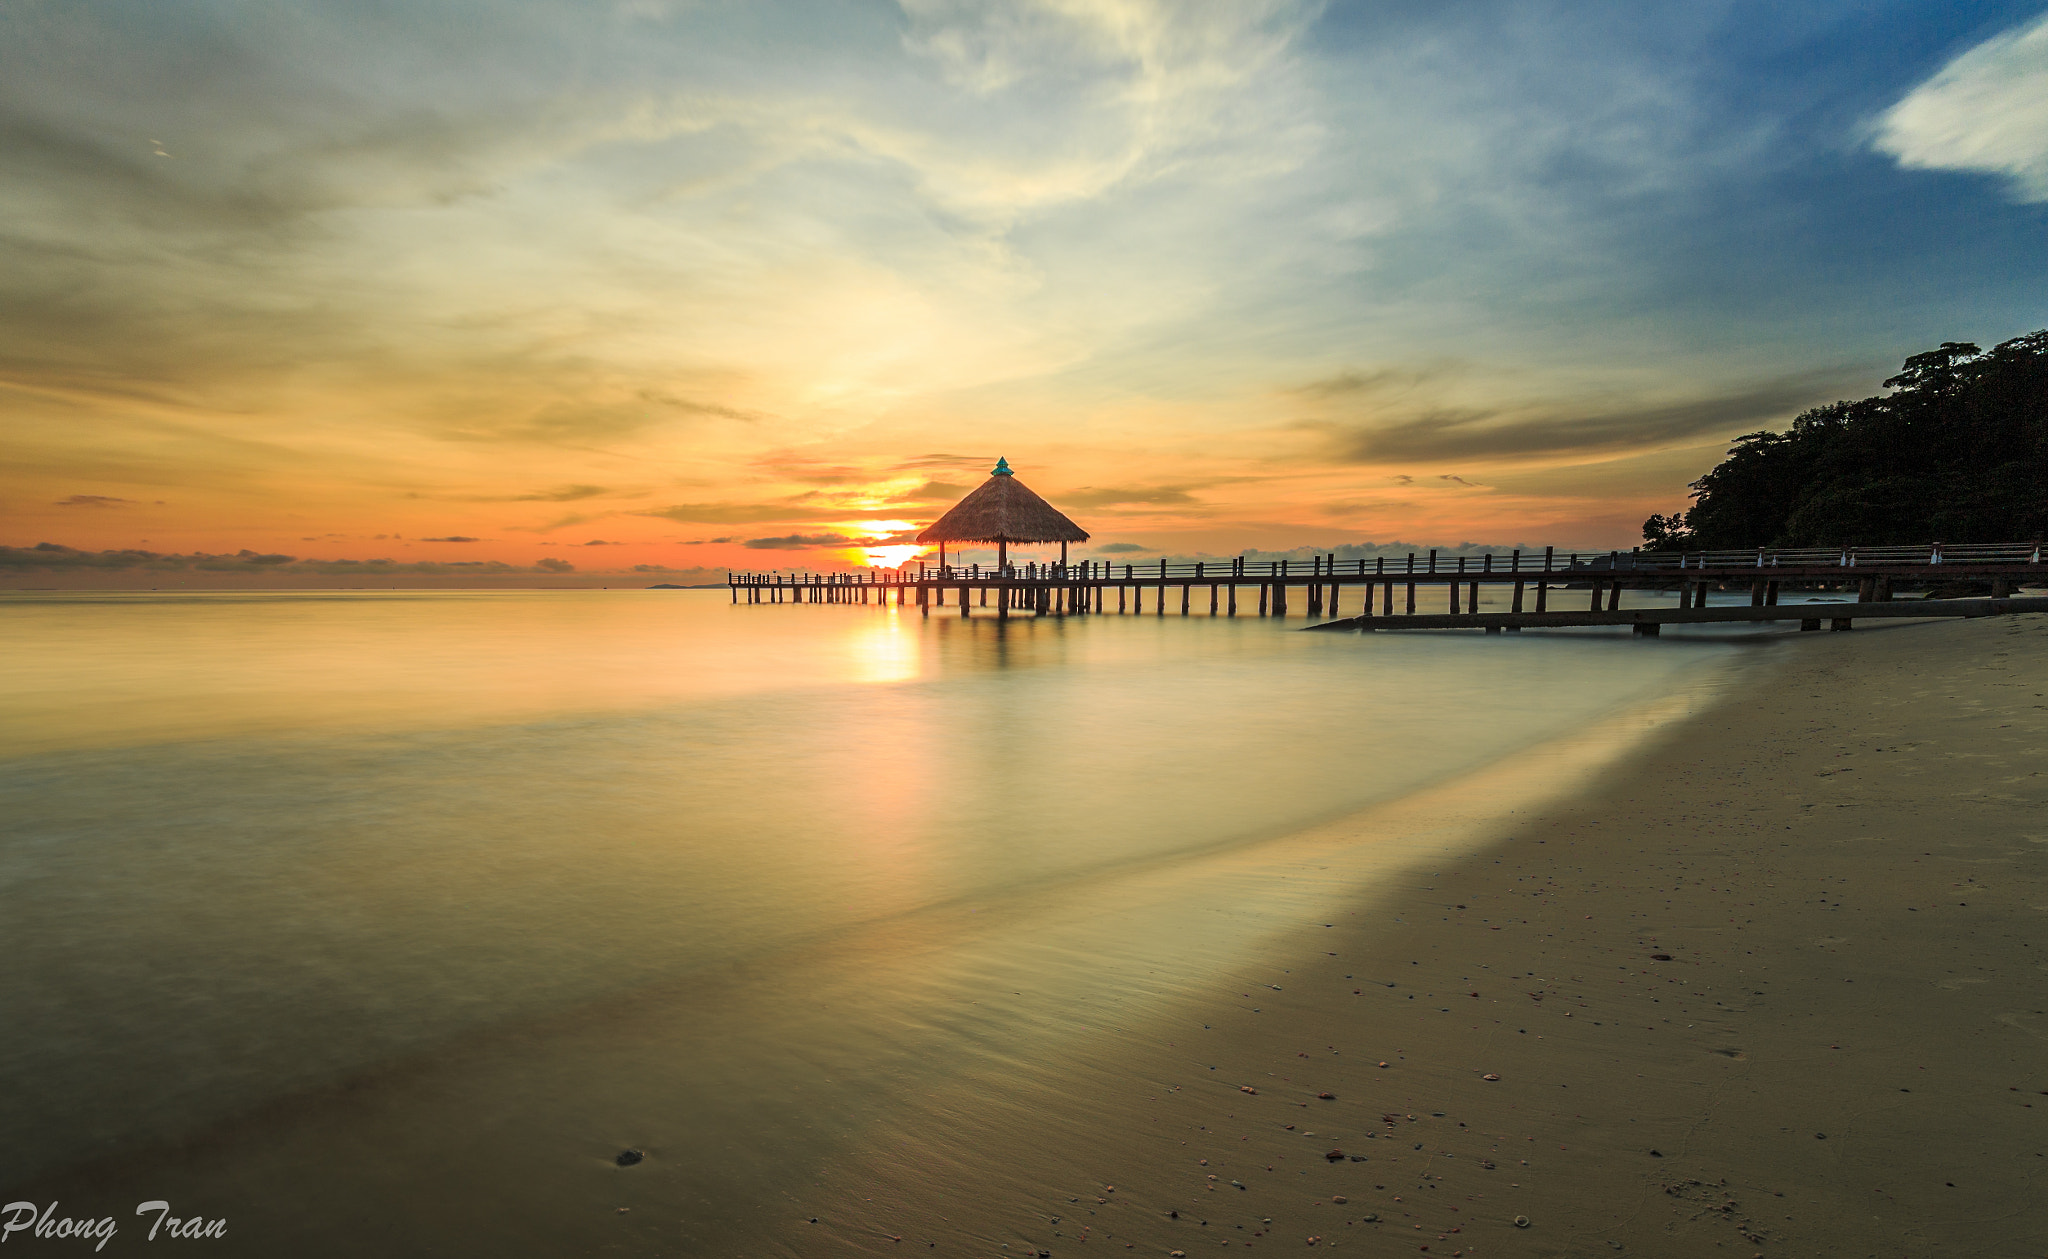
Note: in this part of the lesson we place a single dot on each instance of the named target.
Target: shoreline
(1843, 861)
(894, 1091)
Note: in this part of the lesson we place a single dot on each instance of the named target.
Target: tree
(1958, 452)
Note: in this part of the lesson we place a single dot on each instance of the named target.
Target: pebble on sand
(627, 1158)
(1521, 1221)
(1339, 1199)
(1489, 1076)
(1326, 1097)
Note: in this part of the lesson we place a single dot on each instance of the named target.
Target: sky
(769, 285)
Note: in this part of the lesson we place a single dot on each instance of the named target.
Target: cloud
(1121, 548)
(1986, 111)
(937, 490)
(602, 542)
(560, 494)
(57, 558)
(943, 461)
(95, 500)
(1479, 432)
(800, 542)
(807, 470)
(736, 513)
(1109, 496)
(1351, 382)
(456, 537)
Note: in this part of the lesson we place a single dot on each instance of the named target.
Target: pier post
(1411, 598)
(1543, 592)
(1262, 597)
(1454, 597)
(1233, 598)
(1597, 594)
(1472, 597)
(1387, 594)
(1517, 607)
(964, 609)
(1770, 594)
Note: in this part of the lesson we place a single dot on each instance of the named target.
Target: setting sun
(888, 556)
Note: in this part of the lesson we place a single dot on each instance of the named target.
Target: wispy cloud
(560, 494)
(1557, 429)
(1985, 111)
(1111, 496)
(738, 513)
(799, 542)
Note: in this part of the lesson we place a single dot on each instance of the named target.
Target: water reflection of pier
(1389, 593)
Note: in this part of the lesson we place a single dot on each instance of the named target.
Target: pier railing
(1328, 581)
(1431, 563)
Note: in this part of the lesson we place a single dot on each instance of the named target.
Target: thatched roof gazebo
(1003, 510)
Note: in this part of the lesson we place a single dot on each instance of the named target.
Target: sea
(392, 921)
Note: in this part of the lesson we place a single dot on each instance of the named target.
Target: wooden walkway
(1430, 591)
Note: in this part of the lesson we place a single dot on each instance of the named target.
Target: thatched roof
(1003, 509)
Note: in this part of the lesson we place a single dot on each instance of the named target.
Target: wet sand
(1774, 985)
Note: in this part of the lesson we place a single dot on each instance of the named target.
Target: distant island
(1958, 452)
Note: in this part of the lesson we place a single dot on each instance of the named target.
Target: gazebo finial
(1002, 467)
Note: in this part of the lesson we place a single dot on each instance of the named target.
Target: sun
(888, 556)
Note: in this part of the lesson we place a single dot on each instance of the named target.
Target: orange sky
(692, 287)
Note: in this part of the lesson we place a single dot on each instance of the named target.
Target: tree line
(1957, 452)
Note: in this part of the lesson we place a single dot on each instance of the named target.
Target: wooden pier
(1434, 591)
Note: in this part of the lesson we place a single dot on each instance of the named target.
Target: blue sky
(1257, 273)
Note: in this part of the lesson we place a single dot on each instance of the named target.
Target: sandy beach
(1773, 985)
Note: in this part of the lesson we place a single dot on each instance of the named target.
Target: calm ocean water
(305, 898)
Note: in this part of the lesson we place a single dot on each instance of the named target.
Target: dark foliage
(1957, 452)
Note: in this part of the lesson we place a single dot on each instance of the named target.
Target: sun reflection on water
(884, 651)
